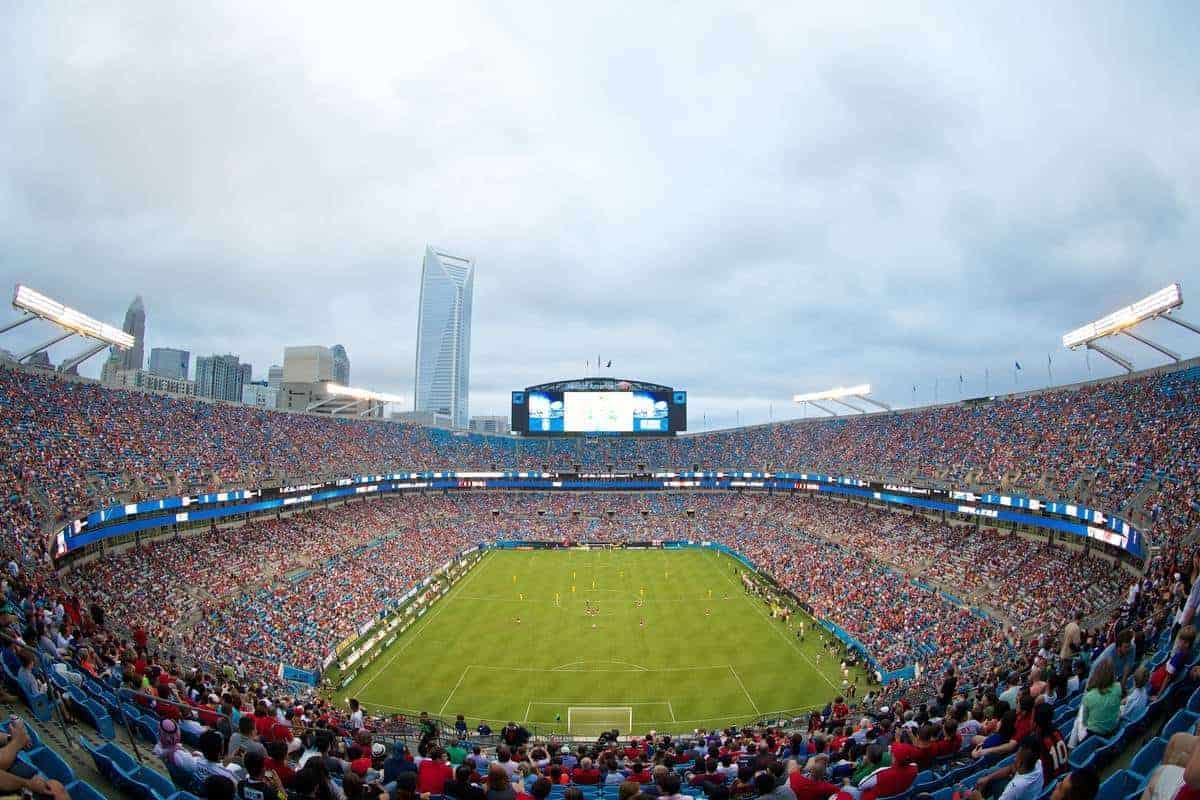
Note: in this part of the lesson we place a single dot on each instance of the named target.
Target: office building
(259, 394)
(489, 424)
(169, 362)
(275, 376)
(442, 373)
(135, 326)
(152, 382)
(110, 368)
(311, 364)
(247, 375)
(426, 418)
(341, 365)
(219, 377)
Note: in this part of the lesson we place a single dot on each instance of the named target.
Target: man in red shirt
(883, 782)
(277, 762)
(585, 774)
(812, 786)
(918, 751)
(433, 772)
(640, 774)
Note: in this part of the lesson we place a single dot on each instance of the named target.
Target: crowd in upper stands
(237, 602)
(75, 446)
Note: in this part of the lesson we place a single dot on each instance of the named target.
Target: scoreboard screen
(562, 410)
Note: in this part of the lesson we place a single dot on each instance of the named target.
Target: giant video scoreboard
(599, 407)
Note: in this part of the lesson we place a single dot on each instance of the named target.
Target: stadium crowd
(205, 620)
(288, 591)
(74, 446)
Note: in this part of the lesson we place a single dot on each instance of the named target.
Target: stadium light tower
(342, 398)
(839, 395)
(73, 323)
(1159, 305)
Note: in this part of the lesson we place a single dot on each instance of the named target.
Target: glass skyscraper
(135, 325)
(442, 376)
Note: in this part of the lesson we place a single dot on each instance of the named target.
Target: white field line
(441, 606)
(786, 638)
(446, 702)
(738, 678)
(672, 710)
(649, 723)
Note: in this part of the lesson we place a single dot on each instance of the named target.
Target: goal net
(595, 720)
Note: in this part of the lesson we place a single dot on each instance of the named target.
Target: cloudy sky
(741, 200)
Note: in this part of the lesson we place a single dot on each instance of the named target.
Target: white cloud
(744, 202)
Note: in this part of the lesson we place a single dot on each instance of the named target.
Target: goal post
(595, 720)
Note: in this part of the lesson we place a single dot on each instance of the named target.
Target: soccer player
(518, 620)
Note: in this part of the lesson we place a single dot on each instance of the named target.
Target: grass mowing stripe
(654, 631)
(786, 638)
(413, 637)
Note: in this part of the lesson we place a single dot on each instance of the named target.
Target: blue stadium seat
(1085, 754)
(926, 781)
(80, 790)
(146, 784)
(1148, 757)
(1193, 704)
(48, 763)
(1119, 785)
(111, 761)
(35, 741)
(1182, 722)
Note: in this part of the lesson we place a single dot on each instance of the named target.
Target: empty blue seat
(1182, 722)
(144, 783)
(1085, 754)
(49, 763)
(1149, 757)
(1118, 786)
(83, 791)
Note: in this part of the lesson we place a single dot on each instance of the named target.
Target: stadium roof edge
(1162, 369)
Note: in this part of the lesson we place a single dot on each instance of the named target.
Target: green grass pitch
(707, 655)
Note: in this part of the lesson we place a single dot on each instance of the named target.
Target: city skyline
(925, 192)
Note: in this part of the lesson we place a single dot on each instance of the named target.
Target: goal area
(595, 720)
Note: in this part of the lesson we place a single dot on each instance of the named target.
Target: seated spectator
(1101, 708)
(1175, 663)
(1138, 698)
(1024, 775)
(809, 783)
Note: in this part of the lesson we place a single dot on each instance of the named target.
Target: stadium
(599, 401)
(783, 586)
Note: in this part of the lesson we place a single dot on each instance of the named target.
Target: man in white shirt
(1026, 773)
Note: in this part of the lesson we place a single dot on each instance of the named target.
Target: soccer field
(627, 639)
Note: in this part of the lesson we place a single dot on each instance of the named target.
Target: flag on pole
(608, 363)
(1017, 364)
